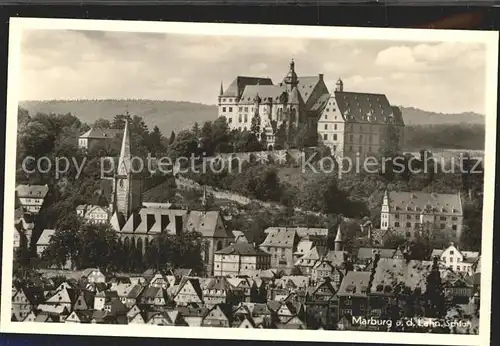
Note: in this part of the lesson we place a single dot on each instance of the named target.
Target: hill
(176, 116)
(415, 116)
(168, 115)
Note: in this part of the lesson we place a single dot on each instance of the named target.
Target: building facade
(291, 101)
(31, 197)
(411, 213)
(354, 123)
(93, 214)
(457, 260)
(96, 137)
(240, 259)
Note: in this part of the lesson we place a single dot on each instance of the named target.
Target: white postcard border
(490, 39)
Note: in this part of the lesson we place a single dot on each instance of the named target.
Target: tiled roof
(320, 103)
(365, 107)
(89, 208)
(99, 133)
(265, 92)
(420, 201)
(44, 238)
(336, 258)
(236, 88)
(219, 283)
(390, 273)
(303, 247)
(355, 284)
(306, 86)
(365, 253)
(311, 231)
(32, 191)
(242, 250)
(207, 224)
(280, 237)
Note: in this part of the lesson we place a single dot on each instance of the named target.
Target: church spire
(221, 89)
(338, 240)
(124, 160)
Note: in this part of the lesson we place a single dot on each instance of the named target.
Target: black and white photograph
(323, 183)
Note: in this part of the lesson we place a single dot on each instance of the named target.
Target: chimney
(321, 76)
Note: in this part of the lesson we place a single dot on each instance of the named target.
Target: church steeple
(338, 240)
(291, 79)
(127, 189)
(125, 159)
(221, 92)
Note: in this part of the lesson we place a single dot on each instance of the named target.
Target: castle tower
(339, 243)
(339, 85)
(128, 191)
(291, 80)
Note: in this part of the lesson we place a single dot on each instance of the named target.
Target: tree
(434, 294)
(255, 125)
(155, 141)
(280, 136)
(102, 123)
(254, 294)
(171, 138)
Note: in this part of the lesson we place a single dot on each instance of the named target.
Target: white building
(93, 214)
(458, 261)
(240, 259)
(406, 212)
(31, 197)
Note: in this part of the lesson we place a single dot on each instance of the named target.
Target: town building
(98, 137)
(458, 260)
(293, 101)
(413, 213)
(281, 243)
(240, 259)
(137, 225)
(353, 122)
(31, 197)
(44, 240)
(93, 214)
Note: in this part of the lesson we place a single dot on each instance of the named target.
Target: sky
(443, 77)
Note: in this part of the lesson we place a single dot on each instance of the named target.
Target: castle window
(230, 109)
(246, 118)
(326, 116)
(335, 126)
(408, 224)
(334, 147)
(239, 109)
(223, 109)
(442, 226)
(335, 137)
(326, 126)
(327, 110)
(396, 224)
(246, 109)
(239, 118)
(325, 137)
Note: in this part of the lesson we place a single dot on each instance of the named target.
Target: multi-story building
(97, 137)
(352, 122)
(295, 101)
(44, 240)
(457, 260)
(281, 243)
(240, 259)
(409, 213)
(93, 214)
(31, 197)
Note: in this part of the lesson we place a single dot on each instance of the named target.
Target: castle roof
(355, 284)
(366, 107)
(390, 273)
(306, 85)
(239, 84)
(422, 201)
(266, 92)
(32, 191)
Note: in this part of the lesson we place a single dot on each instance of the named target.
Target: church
(138, 224)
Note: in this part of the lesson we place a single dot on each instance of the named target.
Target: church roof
(207, 223)
(366, 107)
(240, 82)
(306, 86)
(418, 201)
(125, 159)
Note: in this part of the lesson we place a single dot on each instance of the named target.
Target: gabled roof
(366, 107)
(355, 284)
(418, 201)
(365, 253)
(280, 237)
(390, 273)
(242, 250)
(89, 208)
(44, 238)
(99, 133)
(236, 88)
(209, 224)
(219, 283)
(31, 191)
